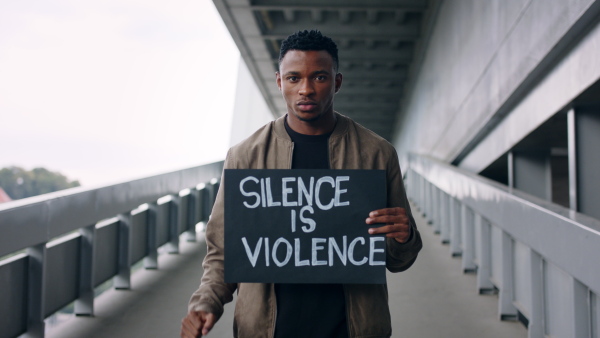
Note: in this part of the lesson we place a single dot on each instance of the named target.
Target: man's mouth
(307, 106)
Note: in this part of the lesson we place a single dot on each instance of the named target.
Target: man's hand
(197, 324)
(396, 223)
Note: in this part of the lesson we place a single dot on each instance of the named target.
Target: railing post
(173, 247)
(84, 305)
(468, 239)
(580, 325)
(484, 255)
(192, 208)
(444, 218)
(454, 227)
(427, 209)
(122, 281)
(36, 291)
(421, 198)
(595, 316)
(151, 260)
(202, 202)
(435, 210)
(536, 321)
(215, 184)
(423, 194)
(506, 308)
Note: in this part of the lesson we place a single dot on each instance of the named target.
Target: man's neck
(323, 125)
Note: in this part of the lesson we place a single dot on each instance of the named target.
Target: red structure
(4, 196)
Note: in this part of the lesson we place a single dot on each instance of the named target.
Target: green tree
(20, 183)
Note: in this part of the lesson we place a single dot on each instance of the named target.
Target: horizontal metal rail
(539, 256)
(77, 239)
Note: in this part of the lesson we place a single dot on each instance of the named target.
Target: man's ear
(278, 80)
(338, 81)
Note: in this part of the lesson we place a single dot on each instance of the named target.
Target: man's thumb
(208, 324)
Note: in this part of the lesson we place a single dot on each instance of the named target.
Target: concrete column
(587, 141)
(572, 158)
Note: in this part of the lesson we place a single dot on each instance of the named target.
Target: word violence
(323, 251)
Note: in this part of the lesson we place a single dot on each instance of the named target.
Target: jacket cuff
(206, 307)
(397, 249)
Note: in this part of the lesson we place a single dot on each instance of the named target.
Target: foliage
(20, 183)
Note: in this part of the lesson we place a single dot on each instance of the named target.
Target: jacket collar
(340, 129)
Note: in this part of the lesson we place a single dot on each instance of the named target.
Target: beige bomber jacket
(351, 146)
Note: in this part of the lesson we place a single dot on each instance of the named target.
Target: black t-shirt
(310, 310)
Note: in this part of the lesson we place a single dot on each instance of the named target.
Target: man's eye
(321, 78)
(292, 78)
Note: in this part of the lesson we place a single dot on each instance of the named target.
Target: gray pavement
(431, 299)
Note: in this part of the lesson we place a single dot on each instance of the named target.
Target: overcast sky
(108, 90)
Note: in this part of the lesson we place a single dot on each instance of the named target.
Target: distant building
(4, 196)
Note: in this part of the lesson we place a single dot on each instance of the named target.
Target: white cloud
(108, 90)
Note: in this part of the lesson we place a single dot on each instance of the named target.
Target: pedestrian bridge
(486, 269)
(494, 110)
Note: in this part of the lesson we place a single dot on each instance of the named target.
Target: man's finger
(396, 234)
(191, 329)
(188, 331)
(402, 238)
(387, 219)
(209, 322)
(194, 318)
(388, 229)
(388, 211)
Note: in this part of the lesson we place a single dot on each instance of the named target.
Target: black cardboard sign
(303, 226)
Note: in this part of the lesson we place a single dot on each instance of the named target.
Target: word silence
(303, 226)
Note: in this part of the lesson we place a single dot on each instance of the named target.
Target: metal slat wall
(55, 273)
(536, 254)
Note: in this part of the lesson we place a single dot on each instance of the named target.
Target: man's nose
(306, 88)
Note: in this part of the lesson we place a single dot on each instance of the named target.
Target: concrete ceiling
(378, 42)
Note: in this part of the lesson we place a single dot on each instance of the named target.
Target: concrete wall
(484, 60)
(250, 110)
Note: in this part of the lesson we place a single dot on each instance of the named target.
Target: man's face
(308, 82)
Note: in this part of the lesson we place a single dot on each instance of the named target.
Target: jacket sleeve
(213, 292)
(400, 256)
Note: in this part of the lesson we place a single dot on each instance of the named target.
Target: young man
(310, 136)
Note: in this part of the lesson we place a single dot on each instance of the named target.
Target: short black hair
(309, 40)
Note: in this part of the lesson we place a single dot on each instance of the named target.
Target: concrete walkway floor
(432, 299)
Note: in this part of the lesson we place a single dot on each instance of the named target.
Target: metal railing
(77, 239)
(541, 258)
